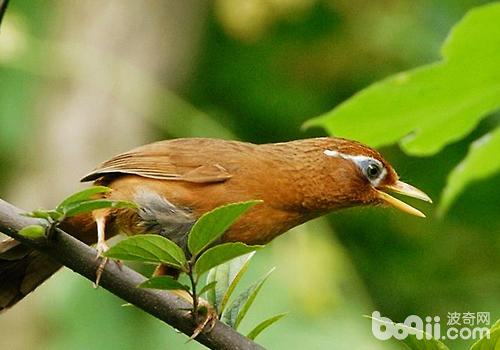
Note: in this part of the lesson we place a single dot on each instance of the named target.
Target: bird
(175, 181)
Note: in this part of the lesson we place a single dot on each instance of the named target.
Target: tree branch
(122, 282)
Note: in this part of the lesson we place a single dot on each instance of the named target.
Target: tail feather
(21, 271)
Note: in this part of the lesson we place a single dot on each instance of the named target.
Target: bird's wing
(182, 159)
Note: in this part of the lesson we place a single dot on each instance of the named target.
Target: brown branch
(122, 282)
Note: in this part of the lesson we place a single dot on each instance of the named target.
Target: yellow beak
(407, 190)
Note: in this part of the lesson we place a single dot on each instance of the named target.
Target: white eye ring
(363, 162)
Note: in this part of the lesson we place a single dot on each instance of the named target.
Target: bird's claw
(99, 271)
(208, 320)
(101, 247)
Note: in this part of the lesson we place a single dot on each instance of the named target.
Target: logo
(465, 325)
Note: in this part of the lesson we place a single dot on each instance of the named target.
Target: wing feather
(180, 159)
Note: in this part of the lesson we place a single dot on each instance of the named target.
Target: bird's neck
(297, 180)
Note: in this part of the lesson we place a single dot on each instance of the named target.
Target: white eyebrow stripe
(357, 160)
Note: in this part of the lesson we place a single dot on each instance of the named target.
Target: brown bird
(174, 182)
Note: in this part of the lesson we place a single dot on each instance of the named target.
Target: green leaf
(213, 224)
(33, 231)
(45, 214)
(82, 196)
(93, 204)
(431, 106)
(411, 340)
(240, 306)
(163, 282)
(263, 325)
(227, 275)
(220, 254)
(148, 249)
(207, 287)
(478, 164)
(211, 295)
(489, 343)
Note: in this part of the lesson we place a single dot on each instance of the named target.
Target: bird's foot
(205, 318)
(101, 247)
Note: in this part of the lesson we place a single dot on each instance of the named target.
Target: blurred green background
(82, 81)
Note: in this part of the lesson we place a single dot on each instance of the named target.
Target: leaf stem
(194, 295)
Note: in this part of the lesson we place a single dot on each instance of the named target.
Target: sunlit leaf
(83, 195)
(227, 275)
(240, 306)
(207, 287)
(231, 276)
(478, 164)
(148, 249)
(415, 339)
(163, 282)
(489, 343)
(213, 224)
(93, 204)
(45, 214)
(33, 231)
(211, 295)
(220, 254)
(428, 107)
(263, 325)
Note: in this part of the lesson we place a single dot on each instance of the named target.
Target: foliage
(489, 343)
(149, 248)
(263, 325)
(431, 106)
(211, 226)
(78, 203)
(204, 254)
(240, 306)
(226, 276)
(33, 231)
(226, 263)
(478, 164)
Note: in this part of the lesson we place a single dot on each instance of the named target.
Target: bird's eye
(372, 171)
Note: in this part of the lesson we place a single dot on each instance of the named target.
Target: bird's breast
(170, 208)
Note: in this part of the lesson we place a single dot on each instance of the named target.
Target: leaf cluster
(225, 263)
(80, 202)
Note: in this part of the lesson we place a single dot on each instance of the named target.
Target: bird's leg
(204, 308)
(100, 219)
(101, 235)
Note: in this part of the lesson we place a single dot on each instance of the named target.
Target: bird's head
(361, 176)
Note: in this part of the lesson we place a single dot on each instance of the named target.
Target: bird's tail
(22, 269)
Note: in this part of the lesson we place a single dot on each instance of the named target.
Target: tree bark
(121, 281)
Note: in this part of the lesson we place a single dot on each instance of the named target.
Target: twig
(122, 282)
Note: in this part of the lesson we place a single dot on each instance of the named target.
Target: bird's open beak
(407, 190)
